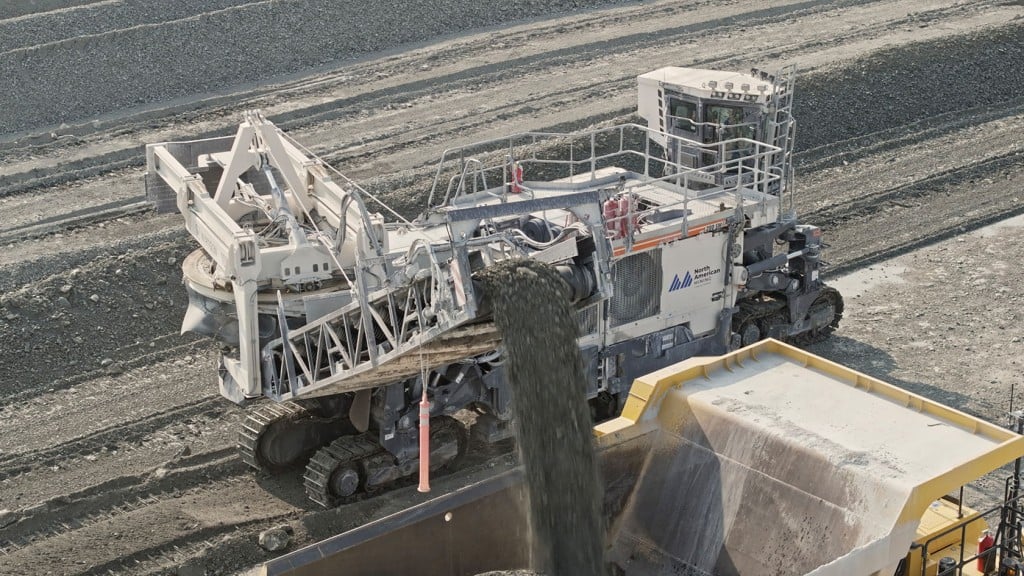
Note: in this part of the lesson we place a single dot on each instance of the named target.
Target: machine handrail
(529, 139)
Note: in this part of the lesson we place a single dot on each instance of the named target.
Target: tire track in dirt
(100, 74)
(222, 546)
(194, 490)
(490, 75)
(40, 29)
(469, 50)
(117, 496)
(62, 253)
(76, 219)
(19, 8)
(894, 212)
(426, 134)
(858, 147)
(109, 438)
(915, 193)
(131, 538)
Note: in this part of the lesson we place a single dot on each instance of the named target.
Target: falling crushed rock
(553, 426)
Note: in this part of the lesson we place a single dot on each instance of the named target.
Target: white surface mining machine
(674, 239)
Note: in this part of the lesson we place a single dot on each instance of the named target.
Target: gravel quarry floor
(116, 452)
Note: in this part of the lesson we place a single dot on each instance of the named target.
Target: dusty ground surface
(116, 454)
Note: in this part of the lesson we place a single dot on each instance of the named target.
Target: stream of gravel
(553, 425)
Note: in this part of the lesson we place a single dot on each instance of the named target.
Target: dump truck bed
(792, 463)
(768, 460)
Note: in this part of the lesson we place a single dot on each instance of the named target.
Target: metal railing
(547, 156)
(1006, 546)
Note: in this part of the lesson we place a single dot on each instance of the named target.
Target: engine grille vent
(637, 288)
(587, 320)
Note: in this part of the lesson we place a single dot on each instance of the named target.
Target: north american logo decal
(678, 284)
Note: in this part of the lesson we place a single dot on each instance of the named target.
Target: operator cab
(709, 107)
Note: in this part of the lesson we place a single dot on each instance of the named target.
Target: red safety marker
(424, 442)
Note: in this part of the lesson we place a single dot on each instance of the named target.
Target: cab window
(730, 118)
(683, 115)
(727, 124)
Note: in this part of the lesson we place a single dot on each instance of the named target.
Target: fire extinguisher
(517, 177)
(986, 560)
(611, 215)
(625, 206)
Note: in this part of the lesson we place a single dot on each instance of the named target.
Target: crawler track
(339, 457)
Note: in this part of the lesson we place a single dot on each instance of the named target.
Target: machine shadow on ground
(878, 363)
(287, 486)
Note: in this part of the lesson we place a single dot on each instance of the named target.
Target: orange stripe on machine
(651, 242)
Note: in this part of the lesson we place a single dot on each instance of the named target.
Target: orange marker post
(424, 442)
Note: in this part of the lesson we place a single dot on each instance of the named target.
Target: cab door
(684, 121)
